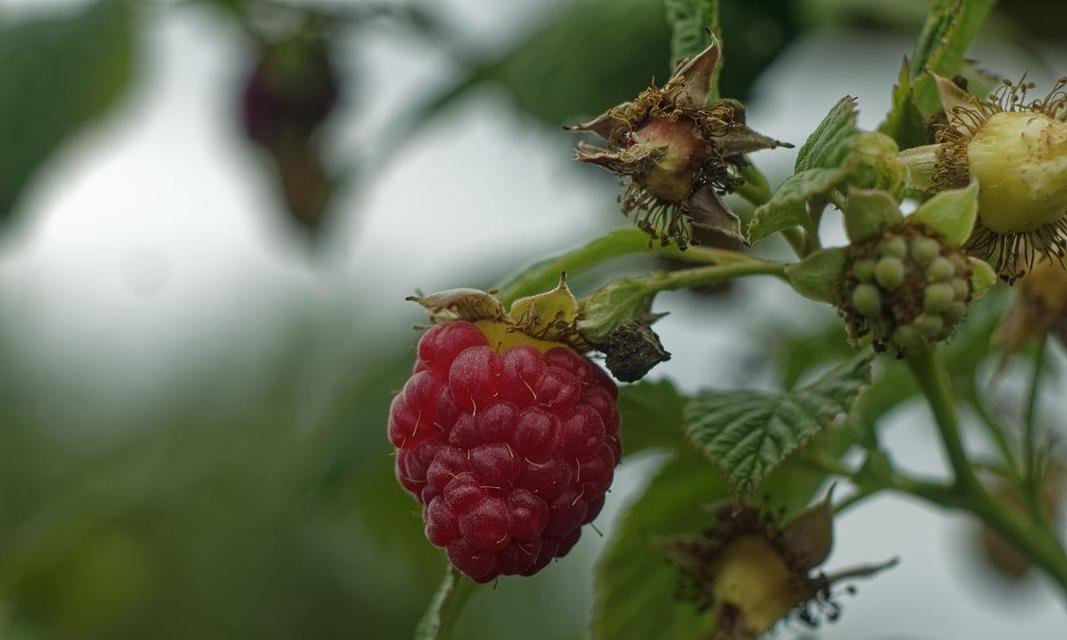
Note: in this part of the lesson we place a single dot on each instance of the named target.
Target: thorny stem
(544, 274)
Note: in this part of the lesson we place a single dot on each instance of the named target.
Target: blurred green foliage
(57, 73)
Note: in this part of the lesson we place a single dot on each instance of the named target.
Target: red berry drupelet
(510, 447)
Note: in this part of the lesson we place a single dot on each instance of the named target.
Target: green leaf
(819, 275)
(749, 433)
(830, 145)
(651, 416)
(823, 162)
(691, 21)
(904, 123)
(949, 30)
(445, 606)
(952, 213)
(634, 582)
(57, 73)
(585, 58)
(983, 277)
(788, 207)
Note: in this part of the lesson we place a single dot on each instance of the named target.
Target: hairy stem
(542, 275)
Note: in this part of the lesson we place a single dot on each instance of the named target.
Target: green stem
(996, 430)
(544, 274)
(445, 606)
(1031, 473)
(685, 278)
(1038, 543)
(930, 373)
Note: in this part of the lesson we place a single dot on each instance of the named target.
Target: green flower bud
(924, 250)
(863, 270)
(889, 273)
(954, 312)
(929, 326)
(906, 337)
(960, 289)
(895, 246)
(940, 269)
(867, 300)
(937, 296)
(877, 164)
(918, 292)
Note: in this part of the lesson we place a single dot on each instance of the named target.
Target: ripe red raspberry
(509, 450)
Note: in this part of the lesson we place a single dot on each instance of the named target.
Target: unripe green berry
(954, 312)
(937, 296)
(889, 272)
(906, 337)
(928, 325)
(895, 246)
(940, 269)
(863, 270)
(960, 289)
(924, 250)
(867, 300)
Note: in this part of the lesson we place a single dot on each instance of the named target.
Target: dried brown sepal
(631, 350)
(677, 154)
(460, 304)
(752, 571)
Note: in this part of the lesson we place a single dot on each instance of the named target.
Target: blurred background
(212, 211)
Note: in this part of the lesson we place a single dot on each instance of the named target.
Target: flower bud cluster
(905, 288)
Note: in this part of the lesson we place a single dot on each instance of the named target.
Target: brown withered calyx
(678, 155)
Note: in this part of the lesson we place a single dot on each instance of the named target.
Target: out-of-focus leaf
(445, 606)
(634, 582)
(588, 57)
(57, 73)
(748, 433)
(691, 21)
(651, 416)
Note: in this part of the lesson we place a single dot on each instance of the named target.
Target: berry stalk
(621, 242)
